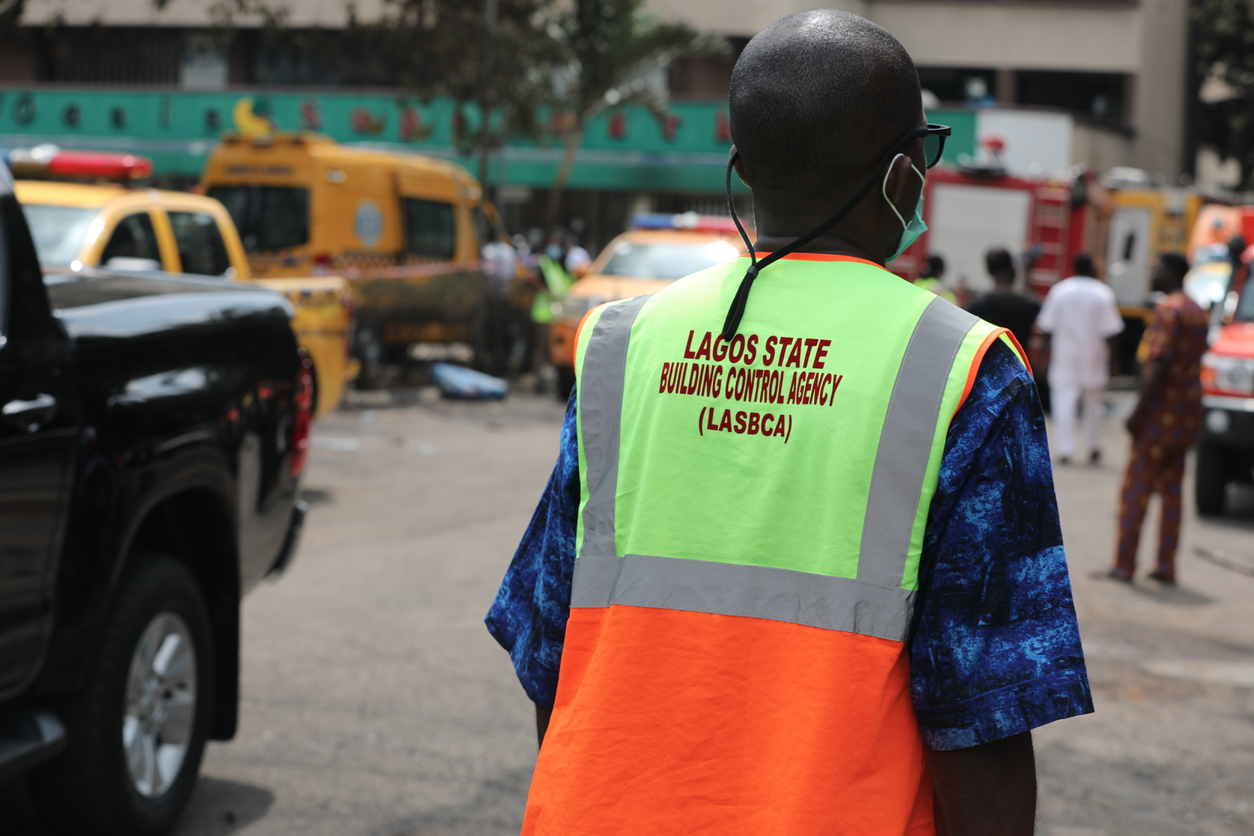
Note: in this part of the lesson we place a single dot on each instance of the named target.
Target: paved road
(376, 704)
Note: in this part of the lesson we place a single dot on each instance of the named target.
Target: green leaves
(1224, 46)
(610, 46)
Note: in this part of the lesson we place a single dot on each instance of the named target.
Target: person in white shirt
(1081, 317)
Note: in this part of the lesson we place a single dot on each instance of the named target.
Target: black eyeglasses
(934, 137)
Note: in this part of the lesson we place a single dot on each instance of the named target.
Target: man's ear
(900, 171)
(738, 162)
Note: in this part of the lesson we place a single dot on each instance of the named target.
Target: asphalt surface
(375, 703)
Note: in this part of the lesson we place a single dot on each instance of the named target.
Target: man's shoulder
(1084, 288)
(1061, 288)
(1184, 304)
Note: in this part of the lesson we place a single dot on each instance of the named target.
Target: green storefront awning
(623, 149)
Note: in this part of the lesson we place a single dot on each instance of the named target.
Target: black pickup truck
(152, 437)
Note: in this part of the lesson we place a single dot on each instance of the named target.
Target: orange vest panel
(675, 722)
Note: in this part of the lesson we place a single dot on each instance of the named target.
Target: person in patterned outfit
(1166, 422)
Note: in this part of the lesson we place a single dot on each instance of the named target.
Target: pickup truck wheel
(1210, 482)
(137, 730)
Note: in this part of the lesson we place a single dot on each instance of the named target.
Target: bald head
(817, 98)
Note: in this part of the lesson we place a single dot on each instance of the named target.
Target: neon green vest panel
(811, 443)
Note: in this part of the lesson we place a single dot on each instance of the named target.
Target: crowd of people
(1076, 330)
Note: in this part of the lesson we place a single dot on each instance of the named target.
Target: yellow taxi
(657, 250)
(76, 225)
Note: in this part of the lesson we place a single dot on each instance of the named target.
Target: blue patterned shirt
(994, 648)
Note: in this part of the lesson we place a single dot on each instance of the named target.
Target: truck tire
(1210, 482)
(137, 730)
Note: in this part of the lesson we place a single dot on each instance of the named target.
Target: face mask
(911, 231)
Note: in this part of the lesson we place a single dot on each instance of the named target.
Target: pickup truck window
(429, 228)
(199, 242)
(267, 217)
(1245, 308)
(58, 231)
(133, 238)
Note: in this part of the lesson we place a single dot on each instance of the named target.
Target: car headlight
(1228, 374)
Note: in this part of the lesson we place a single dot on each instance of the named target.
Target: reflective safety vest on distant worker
(751, 520)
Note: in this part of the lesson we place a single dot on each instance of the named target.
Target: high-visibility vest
(936, 286)
(750, 526)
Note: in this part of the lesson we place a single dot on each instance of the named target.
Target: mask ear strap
(884, 191)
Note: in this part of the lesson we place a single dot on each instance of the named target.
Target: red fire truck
(1047, 221)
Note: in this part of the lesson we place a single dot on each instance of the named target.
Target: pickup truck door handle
(30, 415)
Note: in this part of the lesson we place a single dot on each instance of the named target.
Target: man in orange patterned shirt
(1166, 422)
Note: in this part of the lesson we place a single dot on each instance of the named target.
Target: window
(429, 228)
(1100, 95)
(267, 217)
(1245, 309)
(958, 84)
(58, 231)
(133, 238)
(200, 245)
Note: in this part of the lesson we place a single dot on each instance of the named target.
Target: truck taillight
(303, 401)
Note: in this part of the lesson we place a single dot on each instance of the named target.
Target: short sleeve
(528, 617)
(995, 648)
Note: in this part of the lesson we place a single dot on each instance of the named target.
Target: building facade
(1060, 84)
(1115, 68)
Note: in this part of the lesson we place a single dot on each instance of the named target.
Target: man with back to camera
(764, 591)
(1081, 318)
(1003, 306)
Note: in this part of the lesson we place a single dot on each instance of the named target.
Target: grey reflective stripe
(906, 442)
(668, 583)
(601, 379)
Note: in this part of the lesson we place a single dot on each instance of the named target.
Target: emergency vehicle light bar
(688, 221)
(50, 162)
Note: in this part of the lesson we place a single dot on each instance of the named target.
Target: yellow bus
(405, 230)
